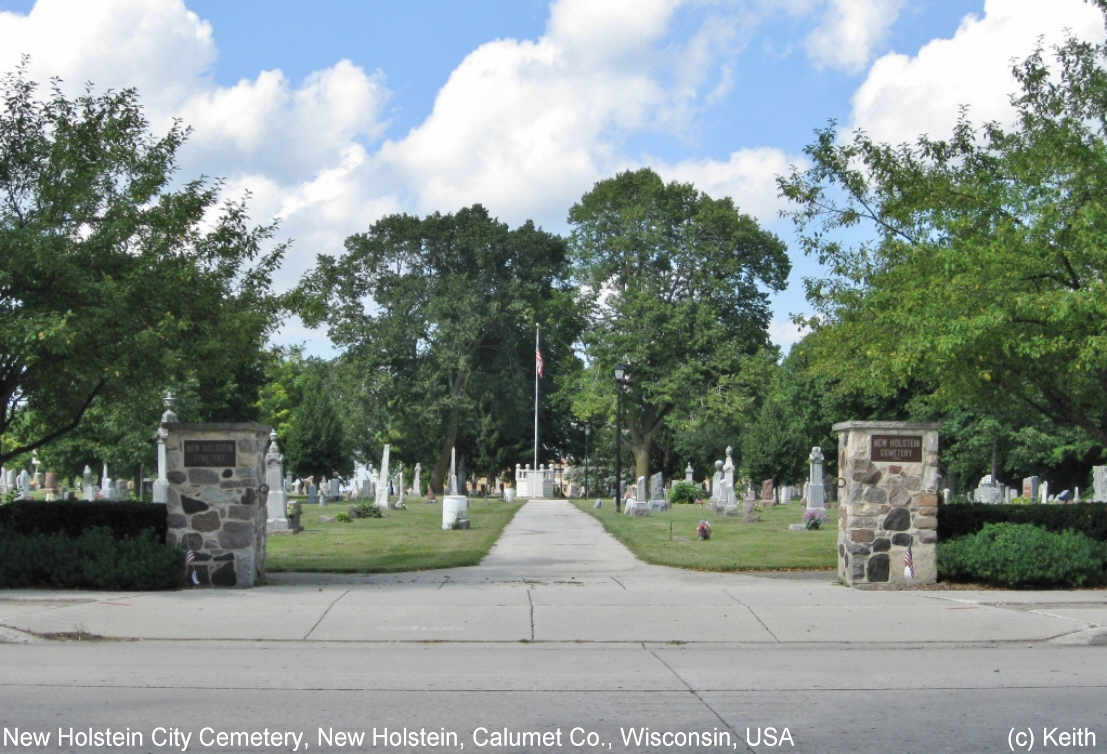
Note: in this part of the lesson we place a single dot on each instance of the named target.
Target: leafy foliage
(685, 492)
(110, 287)
(1022, 556)
(93, 560)
(986, 272)
(316, 444)
(676, 285)
(444, 355)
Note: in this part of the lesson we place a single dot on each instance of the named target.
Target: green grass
(763, 546)
(404, 540)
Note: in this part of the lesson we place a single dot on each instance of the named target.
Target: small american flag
(538, 363)
(908, 564)
(190, 556)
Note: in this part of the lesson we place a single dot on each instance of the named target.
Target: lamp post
(621, 379)
(587, 431)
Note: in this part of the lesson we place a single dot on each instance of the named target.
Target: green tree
(110, 288)
(316, 444)
(436, 320)
(986, 272)
(677, 283)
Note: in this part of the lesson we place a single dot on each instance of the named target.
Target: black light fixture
(621, 379)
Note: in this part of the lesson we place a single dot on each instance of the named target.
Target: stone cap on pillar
(886, 425)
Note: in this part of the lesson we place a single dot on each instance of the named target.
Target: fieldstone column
(215, 508)
(889, 502)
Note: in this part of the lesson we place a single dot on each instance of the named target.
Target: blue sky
(335, 113)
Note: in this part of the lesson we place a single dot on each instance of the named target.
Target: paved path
(557, 576)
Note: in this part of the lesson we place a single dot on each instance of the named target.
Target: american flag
(190, 556)
(538, 364)
(908, 564)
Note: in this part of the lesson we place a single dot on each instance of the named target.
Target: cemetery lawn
(404, 540)
(734, 546)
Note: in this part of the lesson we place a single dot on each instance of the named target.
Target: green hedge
(685, 492)
(126, 520)
(1022, 556)
(961, 519)
(95, 559)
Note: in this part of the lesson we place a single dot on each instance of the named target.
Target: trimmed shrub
(93, 560)
(124, 519)
(365, 510)
(1087, 518)
(1023, 555)
(685, 492)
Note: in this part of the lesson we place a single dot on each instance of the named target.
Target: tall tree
(678, 285)
(109, 285)
(438, 314)
(986, 271)
(316, 444)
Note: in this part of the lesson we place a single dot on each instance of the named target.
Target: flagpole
(536, 352)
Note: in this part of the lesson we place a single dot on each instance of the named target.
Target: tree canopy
(677, 284)
(438, 316)
(985, 278)
(111, 284)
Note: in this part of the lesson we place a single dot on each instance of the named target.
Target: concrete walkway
(557, 576)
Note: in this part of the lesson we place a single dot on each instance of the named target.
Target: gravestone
(718, 484)
(23, 484)
(89, 491)
(1044, 492)
(749, 511)
(455, 506)
(728, 468)
(416, 483)
(989, 490)
(768, 493)
(889, 502)
(1099, 484)
(335, 490)
(216, 507)
(639, 505)
(657, 493)
(381, 501)
(276, 501)
(1030, 487)
(312, 493)
(688, 471)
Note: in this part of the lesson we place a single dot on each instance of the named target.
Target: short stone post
(161, 484)
(889, 503)
(276, 502)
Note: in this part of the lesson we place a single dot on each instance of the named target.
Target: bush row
(124, 519)
(95, 559)
(961, 519)
(1023, 555)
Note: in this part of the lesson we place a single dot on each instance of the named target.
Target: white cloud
(849, 31)
(748, 177)
(785, 333)
(904, 96)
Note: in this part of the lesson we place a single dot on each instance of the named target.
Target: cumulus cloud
(748, 177)
(904, 96)
(849, 31)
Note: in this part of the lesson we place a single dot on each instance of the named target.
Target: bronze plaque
(209, 453)
(897, 448)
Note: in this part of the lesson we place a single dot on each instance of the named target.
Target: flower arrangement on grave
(703, 530)
(292, 509)
(813, 519)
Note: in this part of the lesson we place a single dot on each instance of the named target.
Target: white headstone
(276, 502)
(88, 490)
(1099, 484)
(816, 495)
(381, 500)
(728, 467)
(24, 485)
(416, 484)
(988, 491)
(688, 471)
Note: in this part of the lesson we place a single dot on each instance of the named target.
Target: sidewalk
(556, 576)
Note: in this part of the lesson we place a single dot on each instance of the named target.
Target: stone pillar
(161, 484)
(889, 502)
(417, 484)
(107, 492)
(215, 508)
(816, 493)
(276, 501)
(1099, 484)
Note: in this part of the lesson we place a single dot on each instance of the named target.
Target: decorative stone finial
(169, 417)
